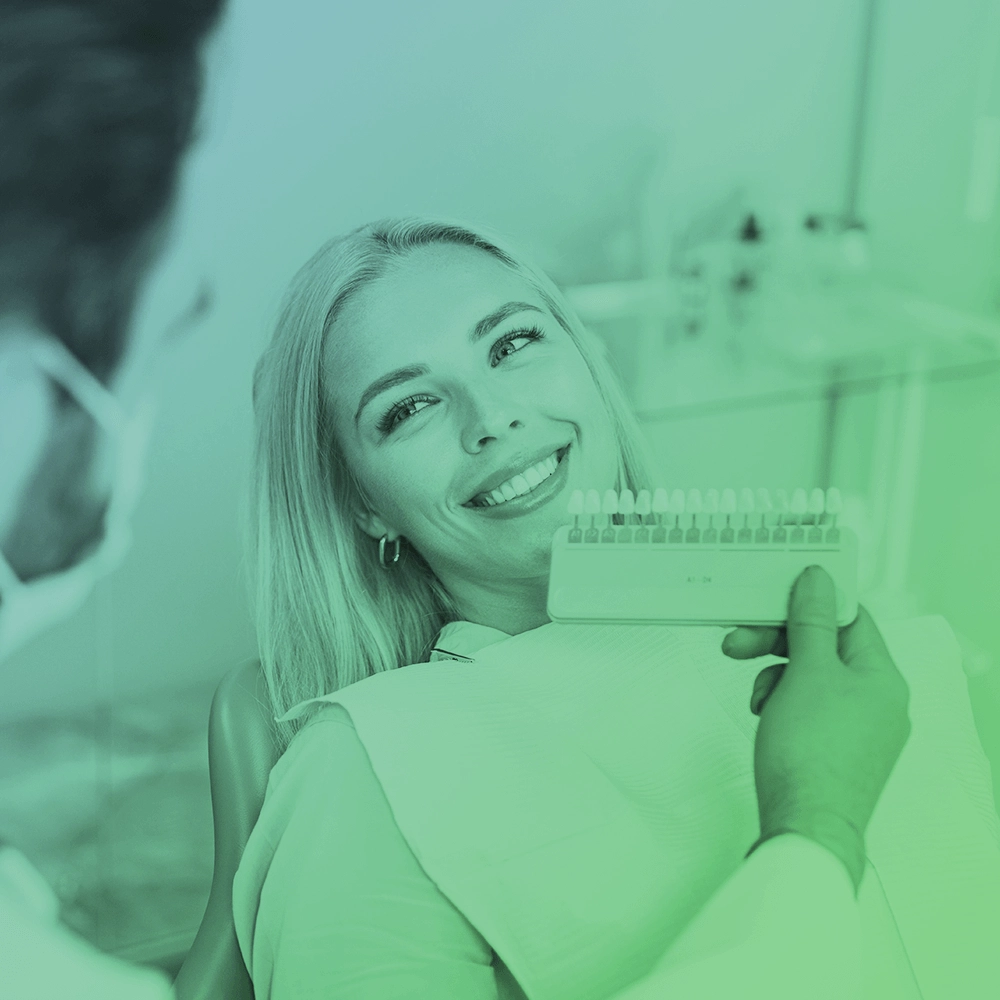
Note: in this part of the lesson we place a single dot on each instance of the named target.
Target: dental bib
(580, 791)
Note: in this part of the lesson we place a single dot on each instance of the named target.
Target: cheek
(564, 380)
(574, 390)
(403, 487)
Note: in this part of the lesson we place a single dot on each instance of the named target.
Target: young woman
(526, 808)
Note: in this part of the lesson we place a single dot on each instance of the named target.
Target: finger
(765, 682)
(862, 645)
(812, 616)
(750, 641)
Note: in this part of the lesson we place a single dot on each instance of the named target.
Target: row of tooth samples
(674, 516)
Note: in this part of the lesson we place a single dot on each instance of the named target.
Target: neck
(513, 606)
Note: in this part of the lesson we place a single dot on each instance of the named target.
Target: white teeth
(520, 484)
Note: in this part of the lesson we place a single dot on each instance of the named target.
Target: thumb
(812, 616)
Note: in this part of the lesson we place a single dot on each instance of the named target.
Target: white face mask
(28, 608)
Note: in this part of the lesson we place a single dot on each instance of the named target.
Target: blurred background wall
(625, 144)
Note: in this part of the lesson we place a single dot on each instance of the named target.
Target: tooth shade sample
(813, 502)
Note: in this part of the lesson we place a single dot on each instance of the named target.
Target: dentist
(98, 102)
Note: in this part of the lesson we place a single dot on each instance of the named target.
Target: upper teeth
(520, 484)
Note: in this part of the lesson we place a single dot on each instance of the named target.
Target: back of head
(98, 102)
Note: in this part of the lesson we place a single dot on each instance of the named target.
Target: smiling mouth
(522, 484)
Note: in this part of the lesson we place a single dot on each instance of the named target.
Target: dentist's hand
(833, 720)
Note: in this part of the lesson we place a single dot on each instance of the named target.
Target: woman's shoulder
(328, 737)
(323, 782)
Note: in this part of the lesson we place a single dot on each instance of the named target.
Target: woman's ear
(373, 526)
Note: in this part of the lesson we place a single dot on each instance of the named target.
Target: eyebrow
(487, 323)
(401, 375)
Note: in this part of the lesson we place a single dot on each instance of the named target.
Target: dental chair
(241, 753)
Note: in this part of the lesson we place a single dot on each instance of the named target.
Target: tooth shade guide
(627, 563)
(627, 517)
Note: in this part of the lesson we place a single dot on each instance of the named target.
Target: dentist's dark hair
(98, 102)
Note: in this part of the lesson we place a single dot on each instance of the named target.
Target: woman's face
(467, 413)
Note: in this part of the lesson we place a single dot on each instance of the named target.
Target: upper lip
(517, 465)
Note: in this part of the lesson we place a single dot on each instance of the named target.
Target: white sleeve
(786, 926)
(42, 960)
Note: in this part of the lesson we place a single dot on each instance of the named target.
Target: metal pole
(857, 142)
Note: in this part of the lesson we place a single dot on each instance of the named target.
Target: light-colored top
(565, 813)
(41, 960)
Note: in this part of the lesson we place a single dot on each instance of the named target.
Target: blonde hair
(327, 613)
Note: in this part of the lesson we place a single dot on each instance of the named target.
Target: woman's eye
(403, 410)
(511, 343)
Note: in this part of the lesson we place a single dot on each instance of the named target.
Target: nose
(489, 418)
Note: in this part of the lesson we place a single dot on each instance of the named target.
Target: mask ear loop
(56, 361)
(64, 368)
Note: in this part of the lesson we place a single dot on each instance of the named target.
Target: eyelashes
(401, 411)
(530, 333)
(406, 408)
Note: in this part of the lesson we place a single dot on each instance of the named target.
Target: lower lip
(539, 496)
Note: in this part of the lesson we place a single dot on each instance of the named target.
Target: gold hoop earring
(394, 558)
